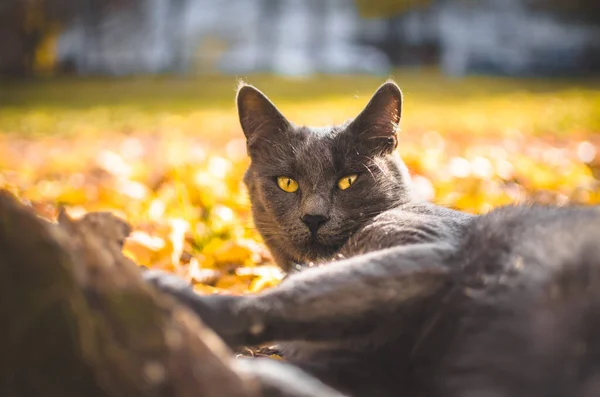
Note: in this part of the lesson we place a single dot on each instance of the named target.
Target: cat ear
(258, 116)
(375, 127)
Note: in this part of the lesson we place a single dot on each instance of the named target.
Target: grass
(477, 105)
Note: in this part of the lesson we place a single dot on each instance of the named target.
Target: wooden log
(76, 319)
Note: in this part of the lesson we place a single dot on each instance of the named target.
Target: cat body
(414, 299)
(512, 309)
(526, 288)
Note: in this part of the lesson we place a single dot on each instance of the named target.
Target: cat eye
(287, 184)
(347, 181)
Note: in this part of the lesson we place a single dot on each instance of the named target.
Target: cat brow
(373, 161)
(275, 144)
(368, 169)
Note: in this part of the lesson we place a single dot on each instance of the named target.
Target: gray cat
(321, 193)
(415, 299)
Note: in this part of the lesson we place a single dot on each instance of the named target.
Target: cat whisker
(374, 162)
(368, 169)
(367, 130)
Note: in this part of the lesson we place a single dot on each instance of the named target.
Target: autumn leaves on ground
(168, 155)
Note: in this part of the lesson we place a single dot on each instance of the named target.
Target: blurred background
(128, 106)
(296, 37)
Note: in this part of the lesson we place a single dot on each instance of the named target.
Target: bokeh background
(128, 106)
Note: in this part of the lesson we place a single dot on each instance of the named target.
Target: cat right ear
(376, 126)
(259, 118)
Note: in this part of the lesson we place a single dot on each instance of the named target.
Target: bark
(76, 319)
(17, 48)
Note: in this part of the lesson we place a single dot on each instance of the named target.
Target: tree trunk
(17, 48)
(77, 319)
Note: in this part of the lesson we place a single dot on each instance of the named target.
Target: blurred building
(233, 36)
(499, 36)
(301, 37)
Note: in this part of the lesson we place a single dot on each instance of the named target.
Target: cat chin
(315, 251)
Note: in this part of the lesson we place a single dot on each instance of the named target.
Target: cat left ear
(376, 126)
(258, 116)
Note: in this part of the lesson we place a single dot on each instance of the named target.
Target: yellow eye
(287, 184)
(347, 181)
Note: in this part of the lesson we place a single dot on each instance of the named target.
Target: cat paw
(218, 312)
(164, 281)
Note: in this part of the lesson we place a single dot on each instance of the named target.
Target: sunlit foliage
(168, 155)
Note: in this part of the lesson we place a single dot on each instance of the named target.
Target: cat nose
(314, 222)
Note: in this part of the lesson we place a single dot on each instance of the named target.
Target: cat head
(312, 188)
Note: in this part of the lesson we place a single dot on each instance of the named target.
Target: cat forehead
(323, 132)
(306, 150)
(318, 142)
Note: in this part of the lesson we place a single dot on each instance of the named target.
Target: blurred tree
(580, 9)
(386, 8)
(26, 24)
(585, 10)
(23, 25)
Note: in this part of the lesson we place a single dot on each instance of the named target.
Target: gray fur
(414, 299)
(317, 158)
(513, 309)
